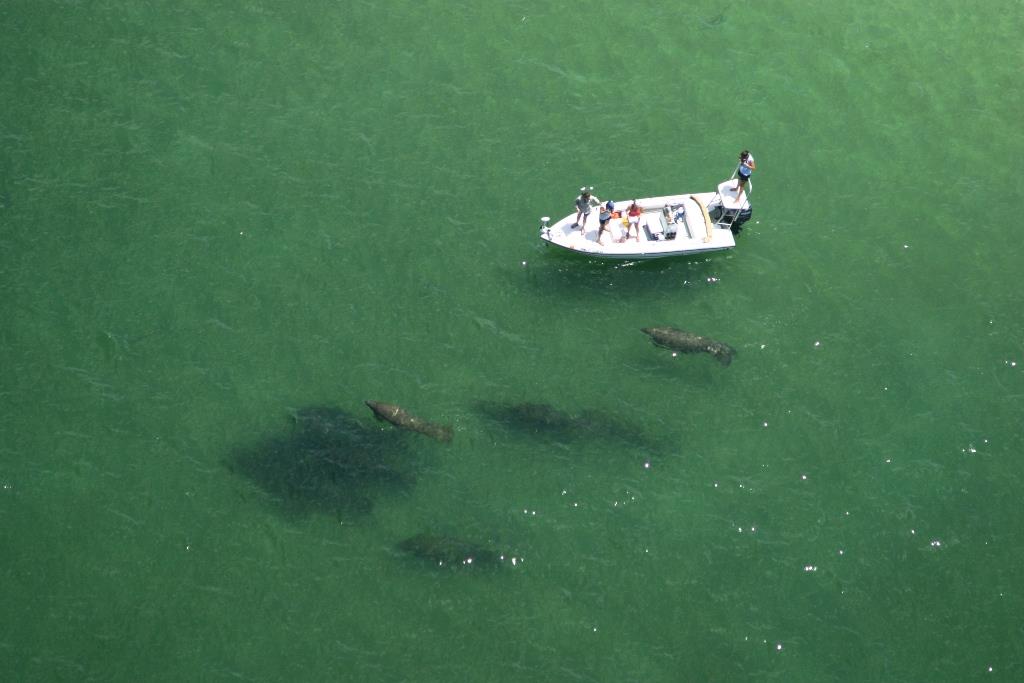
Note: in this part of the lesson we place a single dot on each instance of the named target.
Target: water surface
(212, 219)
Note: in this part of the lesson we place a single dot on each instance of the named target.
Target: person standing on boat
(584, 203)
(606, 214)
(633, 221)
(744, 170)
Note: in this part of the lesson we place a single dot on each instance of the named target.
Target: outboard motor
(733, 218)
(742, 217)
(544, 229)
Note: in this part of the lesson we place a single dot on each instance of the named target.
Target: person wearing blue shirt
(746, 167)
(606, 213)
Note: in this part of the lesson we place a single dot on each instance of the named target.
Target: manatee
(687, 342)
(447, 551)
(398, 417)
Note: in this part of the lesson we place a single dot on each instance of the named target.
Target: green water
(215, 215)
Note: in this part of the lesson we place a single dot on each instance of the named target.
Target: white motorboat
(671, 225)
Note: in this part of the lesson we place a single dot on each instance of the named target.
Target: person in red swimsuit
(633, 221)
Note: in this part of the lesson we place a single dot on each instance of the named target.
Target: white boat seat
(669, 225)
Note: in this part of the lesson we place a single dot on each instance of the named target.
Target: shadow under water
(562, 275)
(329, 463)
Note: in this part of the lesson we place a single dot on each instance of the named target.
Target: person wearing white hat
(584, 203)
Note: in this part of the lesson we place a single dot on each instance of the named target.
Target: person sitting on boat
(606, 214)
(744, 170)
(633, 221)
(584, 202)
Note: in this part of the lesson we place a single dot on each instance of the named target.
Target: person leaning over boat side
(584, 202)
(606, 214)
(633, 221)
(746, 167)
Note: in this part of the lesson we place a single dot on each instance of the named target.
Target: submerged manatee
(530, 416)
(447, 551)
(398, 417)
(687, 342)
(543, 419)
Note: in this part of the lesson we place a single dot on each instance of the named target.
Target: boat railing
(727, 217)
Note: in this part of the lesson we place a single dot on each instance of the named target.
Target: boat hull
(671, 225)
